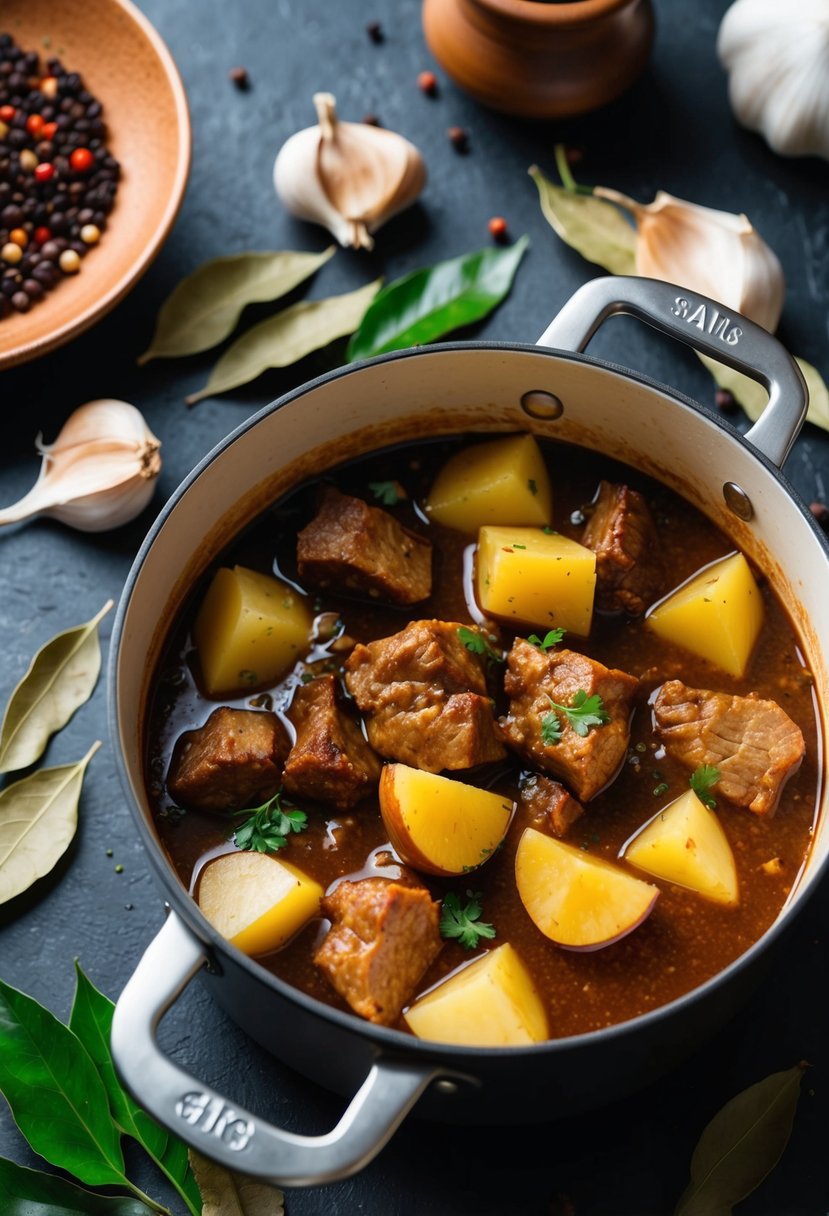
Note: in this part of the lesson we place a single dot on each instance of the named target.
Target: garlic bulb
(98, 474)
(777, 57)
(714, 252)
(348, 176)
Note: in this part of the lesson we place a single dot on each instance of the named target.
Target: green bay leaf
(205, 306)
(287, 337)
(56, 1096)
(595, 229)
(60, 679)
(429, 303)
(38, 819)
(28, 1192)
(754, 398)
(231, 1194)
(741, 1145)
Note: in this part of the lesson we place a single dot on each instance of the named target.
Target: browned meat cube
(351, 545)
(383, 937)
(330, 761)
(586, 763)
(425, 697)
(753, 742)
(622, 534)
(233, 760)
(552, 806)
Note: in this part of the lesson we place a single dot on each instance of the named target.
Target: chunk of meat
(384, 935)
(754, 743)
(426, 699)
(330, 760)
(622, 534)
(551, 805)
(234, 759)
(587, 764)
(350, 545)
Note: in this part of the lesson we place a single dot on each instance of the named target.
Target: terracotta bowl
(127, 67)
(540, 60)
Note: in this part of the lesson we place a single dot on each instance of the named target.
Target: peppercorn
(371, 120)
(81, 160)
(42, 234)
(240, 78)
(725, 401)
(458, 138)
(44, 172)
(821, 513)
(69, 261)
(11, 253)
(19, 236)
(7, 113)
(34, 124)
(28, 160)
(427, 82)
(21, 301)
(90, 234)
(498, 228)
(49, 86)
(375, 31)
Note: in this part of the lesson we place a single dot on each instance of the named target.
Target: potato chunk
(250, 630)
(256, 901)
(438, 825)
(717, 614)
(504, 481)
(490, 1003)
(685, 844)
(529, 576)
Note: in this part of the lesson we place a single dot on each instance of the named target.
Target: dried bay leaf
(426, 304)
(595, 229)
(205, 306)
(287, 337)
(741, 1145)
(33, 1193)
(754, 398)
(60, 679)
(38, 818)
(227, 1194)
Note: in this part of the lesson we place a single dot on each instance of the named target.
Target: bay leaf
(741, 1145)
(33, 1193)
(38, 818)
(230, 1194)
(594, 228)
(60, 679)
(206, 305)
(56, 1097)
(754, 398)
(429, 303)
(91, 1021)
(287, 337)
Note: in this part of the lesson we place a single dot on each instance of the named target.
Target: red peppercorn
(427, 82)
(34, 125)
(7, 113)
(49, 130)
(42, 235)
(44, 171)
(498, 227)
(458, 138)
(81, 160)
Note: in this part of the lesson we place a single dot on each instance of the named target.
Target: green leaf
(56, 1096)
(754, 398)
(702, 780)
(32, 1193)
(205, 306)
(229, 1194)
(268, 827)
(462, 921)
(428, 303)
(289, 336)
(60, 678)
(741, 1145)
(595, 229)
(91, 1021)
(38, 818)
(550, 639)
(478, 643)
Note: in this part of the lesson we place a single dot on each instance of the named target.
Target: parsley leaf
(582, 714)
(269, 826)
(478, 643)
(462, 921)
(549, 640)
(701, 781)
(388, 492)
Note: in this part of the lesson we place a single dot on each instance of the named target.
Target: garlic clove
(98, 474)
(350, 177)
(714, 252)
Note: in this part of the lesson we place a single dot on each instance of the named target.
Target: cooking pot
(551, 390)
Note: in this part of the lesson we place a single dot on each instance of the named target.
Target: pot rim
(183, 903)
(552, 15)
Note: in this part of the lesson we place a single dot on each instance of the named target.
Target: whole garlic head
(348, 176)
(716, 253)
(777, 57)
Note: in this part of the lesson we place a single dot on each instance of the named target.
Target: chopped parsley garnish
(550, 639)
(462, 921)
(702, 780)
(478, 643)
(268, 826)
(584, 713)
(388, 492)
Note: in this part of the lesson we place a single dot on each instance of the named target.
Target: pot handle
(703, 324)
(219, 1129)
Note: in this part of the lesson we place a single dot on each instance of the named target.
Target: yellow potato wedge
(536, 578)
(257, 901)
(504, 481)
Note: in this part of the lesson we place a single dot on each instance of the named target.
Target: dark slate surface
(673, 131)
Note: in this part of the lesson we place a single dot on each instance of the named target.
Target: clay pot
(540, 60)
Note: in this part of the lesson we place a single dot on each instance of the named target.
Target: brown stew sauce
(686, 939)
